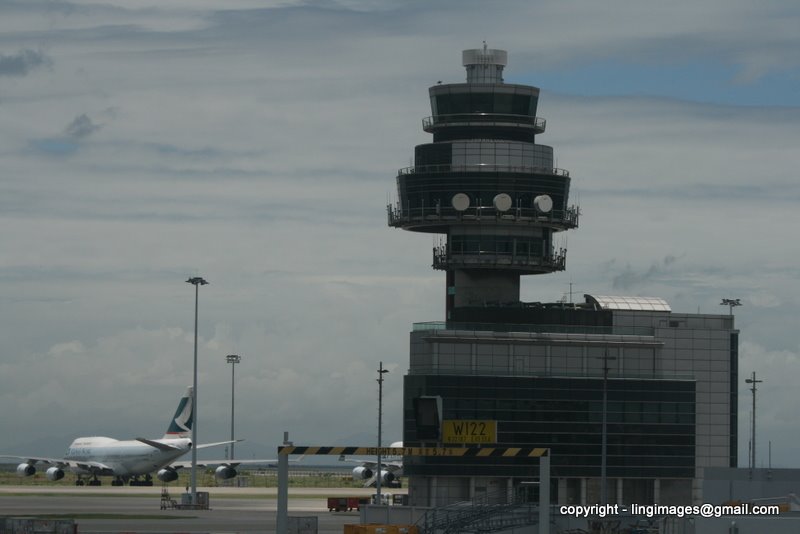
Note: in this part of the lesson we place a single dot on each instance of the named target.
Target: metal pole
(544, 493)
(379, 475)
(754, 420)
(232, 359)
(753, 381)
(282, 519)
(233, 388)
(194, 397)
(604, 445)
(197, 282)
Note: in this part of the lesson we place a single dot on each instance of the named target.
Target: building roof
(628, 303)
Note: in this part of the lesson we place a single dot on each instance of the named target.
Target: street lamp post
(378, 476)
(232, 359)
(753, 381)
(604, 444)
(196, 282)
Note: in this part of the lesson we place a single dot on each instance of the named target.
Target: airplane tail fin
(181, 424)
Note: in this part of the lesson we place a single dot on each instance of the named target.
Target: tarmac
(131, 510)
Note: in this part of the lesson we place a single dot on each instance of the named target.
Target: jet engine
(224, 472)
(387, 477)
(167, 475)
(362, 473)
(55, 473)
(25, 470)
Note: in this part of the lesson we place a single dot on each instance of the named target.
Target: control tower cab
(486, 185)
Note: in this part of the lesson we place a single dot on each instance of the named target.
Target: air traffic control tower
(486, 186)
(521, 374)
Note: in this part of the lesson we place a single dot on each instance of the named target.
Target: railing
(397, 216)
(536, 328)
(481, 167)
(480, 515)
(451, 370)
(442, 260)
(484, 119)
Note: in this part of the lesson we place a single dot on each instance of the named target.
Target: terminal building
(536, 374)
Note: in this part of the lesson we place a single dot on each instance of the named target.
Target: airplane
(133, 461)
(391, 469)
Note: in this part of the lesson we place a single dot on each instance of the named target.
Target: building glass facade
(651, 424)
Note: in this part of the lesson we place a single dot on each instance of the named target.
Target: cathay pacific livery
(132, 461)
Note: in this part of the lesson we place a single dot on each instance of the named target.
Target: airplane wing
(60, 462)
(157, 444)
(96, 468)
(217, 444)
(394, 467)
(227, 463)
(93, 467)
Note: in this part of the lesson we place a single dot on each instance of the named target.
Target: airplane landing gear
(148, 481)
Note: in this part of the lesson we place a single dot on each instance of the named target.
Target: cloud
(23, 62)
(257, 147)
(81, 127)
(54, 146)
(67, 143)
(630, 279)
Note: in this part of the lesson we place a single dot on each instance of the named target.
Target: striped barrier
(465, 452)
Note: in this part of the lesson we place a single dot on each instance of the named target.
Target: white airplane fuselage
(133, 461)
(127, 458)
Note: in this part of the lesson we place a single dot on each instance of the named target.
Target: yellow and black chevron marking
(508, 452)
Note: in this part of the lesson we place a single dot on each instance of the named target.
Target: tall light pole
(604, 444)
(232, 359)
(196, 282)
(753, 381)
(379, 475)
(731, 304)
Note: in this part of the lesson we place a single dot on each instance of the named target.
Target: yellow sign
(469, 431)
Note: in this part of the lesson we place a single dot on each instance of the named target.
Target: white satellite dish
(460, 201)
(543, 203)
(502, 202)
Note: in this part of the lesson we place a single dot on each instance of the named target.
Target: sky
(256, 144)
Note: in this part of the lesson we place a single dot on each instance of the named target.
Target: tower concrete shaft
(486, 186)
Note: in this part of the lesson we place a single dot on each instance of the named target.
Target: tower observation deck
(486, 185)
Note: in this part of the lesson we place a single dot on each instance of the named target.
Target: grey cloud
(80, 127)
(630, 278)
(23, 62)
(67, 143)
